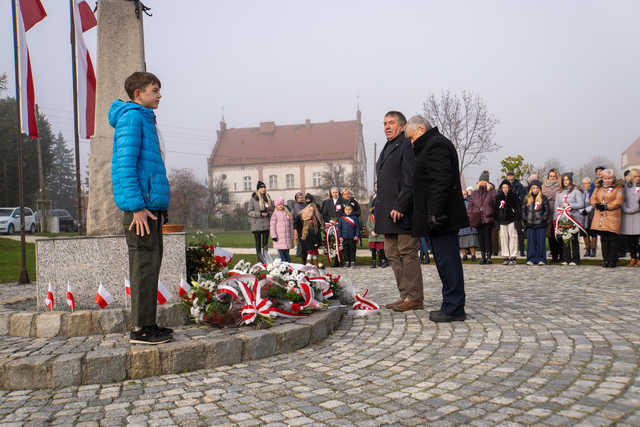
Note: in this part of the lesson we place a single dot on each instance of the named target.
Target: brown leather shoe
(407, 305)
(393, 304)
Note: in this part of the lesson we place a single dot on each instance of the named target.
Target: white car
(10, 220)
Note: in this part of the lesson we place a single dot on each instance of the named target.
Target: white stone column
(120, 53)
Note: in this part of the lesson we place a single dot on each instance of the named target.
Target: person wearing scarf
(308, 223)
(550, 188)
(259, 211)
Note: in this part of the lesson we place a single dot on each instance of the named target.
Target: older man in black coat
(439, 211)
(394, 170)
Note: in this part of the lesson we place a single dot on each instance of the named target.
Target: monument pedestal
(84, 262)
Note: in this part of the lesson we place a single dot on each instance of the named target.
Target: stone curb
(82, 322)
(139, 361)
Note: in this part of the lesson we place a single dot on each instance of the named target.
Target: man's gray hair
(334, 188)
(609, 172)
(416, 121)
(586, 180)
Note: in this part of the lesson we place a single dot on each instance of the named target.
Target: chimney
(359, 116)
(307, 124)
(223, 125)
(267, 128)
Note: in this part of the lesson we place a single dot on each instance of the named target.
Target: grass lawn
(10, 260)
(56, 234)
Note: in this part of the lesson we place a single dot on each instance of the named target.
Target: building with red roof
(287, 158)
(631, 156)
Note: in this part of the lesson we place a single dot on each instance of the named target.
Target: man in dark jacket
(394, 201)
(439, 211)
(332, 207)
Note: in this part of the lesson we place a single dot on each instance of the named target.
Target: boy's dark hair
(402, 120)
(140, 80)
(599, 168)
(510, 173)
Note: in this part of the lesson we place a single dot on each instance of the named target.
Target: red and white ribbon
(363, 303)
(255, 305)
(501, 204)
(565, 212)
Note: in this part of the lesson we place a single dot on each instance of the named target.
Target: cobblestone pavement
(542, 345)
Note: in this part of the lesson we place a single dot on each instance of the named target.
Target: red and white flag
(49, 301)
(29, 13)
(71, 302)
(84, 20)
(501, 204)
(127, 286)
(185, 287)
(103, 297)
(163, 293)
(222, 254)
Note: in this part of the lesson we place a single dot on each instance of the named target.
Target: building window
(246, 181)
(316, 179)
(290, 181)
(235, 186)
(273, 181)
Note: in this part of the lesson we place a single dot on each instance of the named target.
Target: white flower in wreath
(218, 276)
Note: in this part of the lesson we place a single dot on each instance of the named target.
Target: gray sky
(561, 76)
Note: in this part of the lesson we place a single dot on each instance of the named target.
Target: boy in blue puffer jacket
(141, 191)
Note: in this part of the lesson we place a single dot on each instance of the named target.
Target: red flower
(295, 308)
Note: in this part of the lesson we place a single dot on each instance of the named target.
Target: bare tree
(335, 175)
(188, 198)
(217, 196)
(466, 121)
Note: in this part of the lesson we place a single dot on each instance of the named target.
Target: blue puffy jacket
(137, 170)
(346, 230)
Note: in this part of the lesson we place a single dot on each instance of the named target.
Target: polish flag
(49, 301)
(103, 297)
(84, 20)
(222, 254)
(501, 204)
(184, 288)
(127, 286)
(70, 301)
(163, 294)
(29, 13)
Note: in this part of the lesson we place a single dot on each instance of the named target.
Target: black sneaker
(162, 331)
(441, 316)
(148, 335)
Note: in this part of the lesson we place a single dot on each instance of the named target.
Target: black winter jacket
(507, 208)
(535, 216)
(394, 170)
(436, 185)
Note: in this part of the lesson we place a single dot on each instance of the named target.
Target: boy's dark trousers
(145, 258)
(349, 246)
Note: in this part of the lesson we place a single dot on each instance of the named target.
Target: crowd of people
(302, 223)
(537, 212)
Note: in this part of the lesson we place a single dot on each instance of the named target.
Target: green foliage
(517, 165)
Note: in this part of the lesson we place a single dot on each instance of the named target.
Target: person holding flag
(141, 191)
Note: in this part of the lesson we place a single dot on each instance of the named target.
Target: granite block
(66, 370)
(258, 344)
(222, 351)
(28, 373)
(291, 337)
(108, 321)
(105, 366)
(78, 324)
(49, 324)
(85, 262)
(144, 361)
(4, 323)
(319, 326)
(20, 324)
(181, 356)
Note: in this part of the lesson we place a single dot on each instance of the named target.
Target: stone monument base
(85, 262)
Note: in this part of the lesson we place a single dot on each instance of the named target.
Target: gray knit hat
(484, 176)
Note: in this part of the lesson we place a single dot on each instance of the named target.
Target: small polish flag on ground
(127, 286)
(49, 301)
(219, 252)
(70, 301)
(103, 297)
(163, 294)
(185, 287)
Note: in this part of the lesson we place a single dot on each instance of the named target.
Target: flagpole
(24, 276)
(76, 132)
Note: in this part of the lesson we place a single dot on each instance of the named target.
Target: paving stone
(66, 370)
(77, 324)
(221, 351)
(177, 357)
(257, 344)
(27, 373)
(108, 321)
(144, 361)
(49, 324)
(291, 337)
